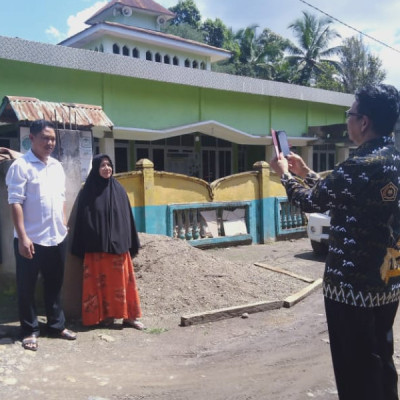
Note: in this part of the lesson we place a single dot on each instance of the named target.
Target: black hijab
(104, 220)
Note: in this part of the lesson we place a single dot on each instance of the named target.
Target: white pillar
(269, 153)
(107, 147)
(306, 154)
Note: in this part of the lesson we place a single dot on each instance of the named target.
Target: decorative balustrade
(190, 225)
(290, 218)
(210, 223)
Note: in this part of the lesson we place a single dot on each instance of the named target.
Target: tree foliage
(312, 61)
(186, 12)
(185, 31)
(215, 32)
(255, 55)
(329, 79)
(359, 67)
(314, 36)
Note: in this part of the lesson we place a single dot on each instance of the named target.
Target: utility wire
(348, 26)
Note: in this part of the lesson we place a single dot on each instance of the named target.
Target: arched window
(195, 64)
(135, 53)
(158, 57)
(115, 48)
(149, 56)
(125, 51)
(96, 49)
(175, 60)
(187, 63)
(166, 59)
(101, 49)
(203, 65)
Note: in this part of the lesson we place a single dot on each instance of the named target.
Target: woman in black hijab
(105, 236)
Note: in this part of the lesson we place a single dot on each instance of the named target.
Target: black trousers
(49, 262)
(361, 342)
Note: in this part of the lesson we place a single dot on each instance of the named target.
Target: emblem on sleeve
(389, 192)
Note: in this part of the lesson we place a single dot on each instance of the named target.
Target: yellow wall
(238, 187)
(170, 188)
(132, 182)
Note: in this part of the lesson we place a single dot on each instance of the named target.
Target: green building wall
(134, 102)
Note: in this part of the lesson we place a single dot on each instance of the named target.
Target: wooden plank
(295, 298)
(231, 312)
(283, 271)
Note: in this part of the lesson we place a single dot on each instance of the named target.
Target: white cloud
(54, 33)
(76, 23)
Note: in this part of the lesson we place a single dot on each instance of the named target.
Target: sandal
(30, 343)
(67, 334)
(134, 323)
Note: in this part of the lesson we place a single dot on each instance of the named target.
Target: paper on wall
(234, 222)
(211, 222)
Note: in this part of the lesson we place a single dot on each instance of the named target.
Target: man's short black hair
(40, 124)
(381, 103)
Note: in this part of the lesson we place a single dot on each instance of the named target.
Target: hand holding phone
(281, 145)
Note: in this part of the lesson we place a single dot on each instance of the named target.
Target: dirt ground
(273, 355)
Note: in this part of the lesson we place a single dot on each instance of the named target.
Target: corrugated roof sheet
(16, 109)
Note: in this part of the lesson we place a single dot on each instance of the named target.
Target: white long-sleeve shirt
(40, 189)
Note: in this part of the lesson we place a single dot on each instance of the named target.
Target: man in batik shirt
(361, 281)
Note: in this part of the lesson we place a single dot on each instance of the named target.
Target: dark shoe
(67, 334)
(30, 343)
(107, 323)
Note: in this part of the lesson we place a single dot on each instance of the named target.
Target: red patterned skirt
(109, 288)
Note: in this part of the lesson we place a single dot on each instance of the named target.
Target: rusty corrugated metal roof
(17, 109)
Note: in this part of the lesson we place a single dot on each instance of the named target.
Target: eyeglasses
(348, 113)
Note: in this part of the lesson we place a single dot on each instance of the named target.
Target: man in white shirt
(36, 193)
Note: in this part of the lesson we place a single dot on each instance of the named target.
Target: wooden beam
(231, 312)
(283, 271)
(295, 298)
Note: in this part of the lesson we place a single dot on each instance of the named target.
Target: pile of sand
(175, 278)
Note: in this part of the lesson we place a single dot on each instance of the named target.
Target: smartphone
(281, 145)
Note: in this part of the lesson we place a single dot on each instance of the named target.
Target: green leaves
(311, 61)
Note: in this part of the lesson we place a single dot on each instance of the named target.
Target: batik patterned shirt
(362, 196)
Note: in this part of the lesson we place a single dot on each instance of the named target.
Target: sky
(51, 21)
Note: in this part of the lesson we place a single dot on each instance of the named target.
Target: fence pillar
(147, 168)
(266, 203)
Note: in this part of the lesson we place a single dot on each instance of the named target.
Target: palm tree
(259, 55)
(314, 36)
